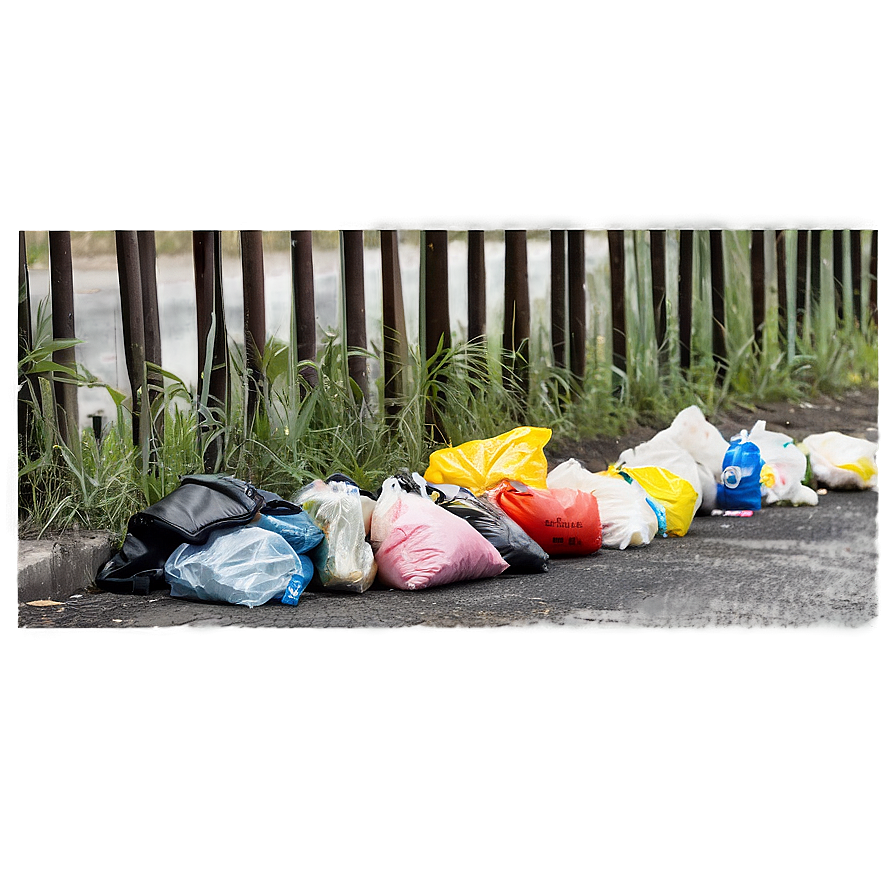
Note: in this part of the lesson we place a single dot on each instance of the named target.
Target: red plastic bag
(563, 521)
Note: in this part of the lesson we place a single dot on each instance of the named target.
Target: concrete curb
(57, 567)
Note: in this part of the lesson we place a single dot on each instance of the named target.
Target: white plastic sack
(664, 452)
(841, 461)
(418, 544)
(625, 515)
(786, 464)
(693, 432)
(344, 560)
(246, 565)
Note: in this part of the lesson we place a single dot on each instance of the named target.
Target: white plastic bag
(625, 514)
(841, 461)
(693, 432)
(246, 565)
(418, 544)
(664, 452)
(784, 467)
(344, 560)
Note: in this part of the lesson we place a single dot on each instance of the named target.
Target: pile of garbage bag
(485, 508)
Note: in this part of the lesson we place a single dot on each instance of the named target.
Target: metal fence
(568, 333)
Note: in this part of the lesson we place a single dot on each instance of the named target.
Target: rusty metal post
(516, 306)
(872, 286)
(209, 301)
(838, 274)
(304, 314)
(434, 317)
(685, 294)
(802, 281)
(476, 314)
(254, 326)
(152, 337)
(395, 339)
(717, 280)
(437, 324)
(558, 296)
(855, 258)
(131, 296)
(781, 262)
(616, 240)
(757, 283)
(576, 317)
(658, 281)
(29, 390)
(62, 294)
(355, 318)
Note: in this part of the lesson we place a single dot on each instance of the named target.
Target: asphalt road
(783, 566)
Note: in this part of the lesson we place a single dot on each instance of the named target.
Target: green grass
(300, 433)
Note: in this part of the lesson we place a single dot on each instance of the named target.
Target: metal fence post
(62, 294)
(395, 340)
(802, 281)
(29, 390)
(576, 317)
(838, 274)
(757, 283)
(658, 283)
(254, 325)
(685, 294)
(855, 258)
(872, 286)
(558, 296)
(355, 318)
(781, 268)
(152, 336)
(131, 297)
(476, 313)
(209, 302)
(717, 280)
(616, 240)
(304, 315)
(516, 306)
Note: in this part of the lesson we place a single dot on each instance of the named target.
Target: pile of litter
(484, 508)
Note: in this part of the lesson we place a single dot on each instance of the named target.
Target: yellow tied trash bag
(676, 494)
(483, 463)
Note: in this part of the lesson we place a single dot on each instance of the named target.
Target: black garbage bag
(200, 505)
(520, 551)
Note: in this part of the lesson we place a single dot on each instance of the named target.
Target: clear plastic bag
(247, 565)
(343, 559)
(481, 464)
(420, 545)
(841, 461)
(625, 513)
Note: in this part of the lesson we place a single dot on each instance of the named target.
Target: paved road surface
(783, 566)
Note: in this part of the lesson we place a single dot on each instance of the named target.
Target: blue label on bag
(294, 589)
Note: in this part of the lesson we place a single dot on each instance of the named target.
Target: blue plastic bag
(248, 565)
(297, 528)
(740, 487)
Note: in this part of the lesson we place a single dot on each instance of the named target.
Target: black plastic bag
(200, 505)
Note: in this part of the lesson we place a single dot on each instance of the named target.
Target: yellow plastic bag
(676, 494)
(482, 463)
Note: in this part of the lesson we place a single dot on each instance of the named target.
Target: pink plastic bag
(418, 544)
